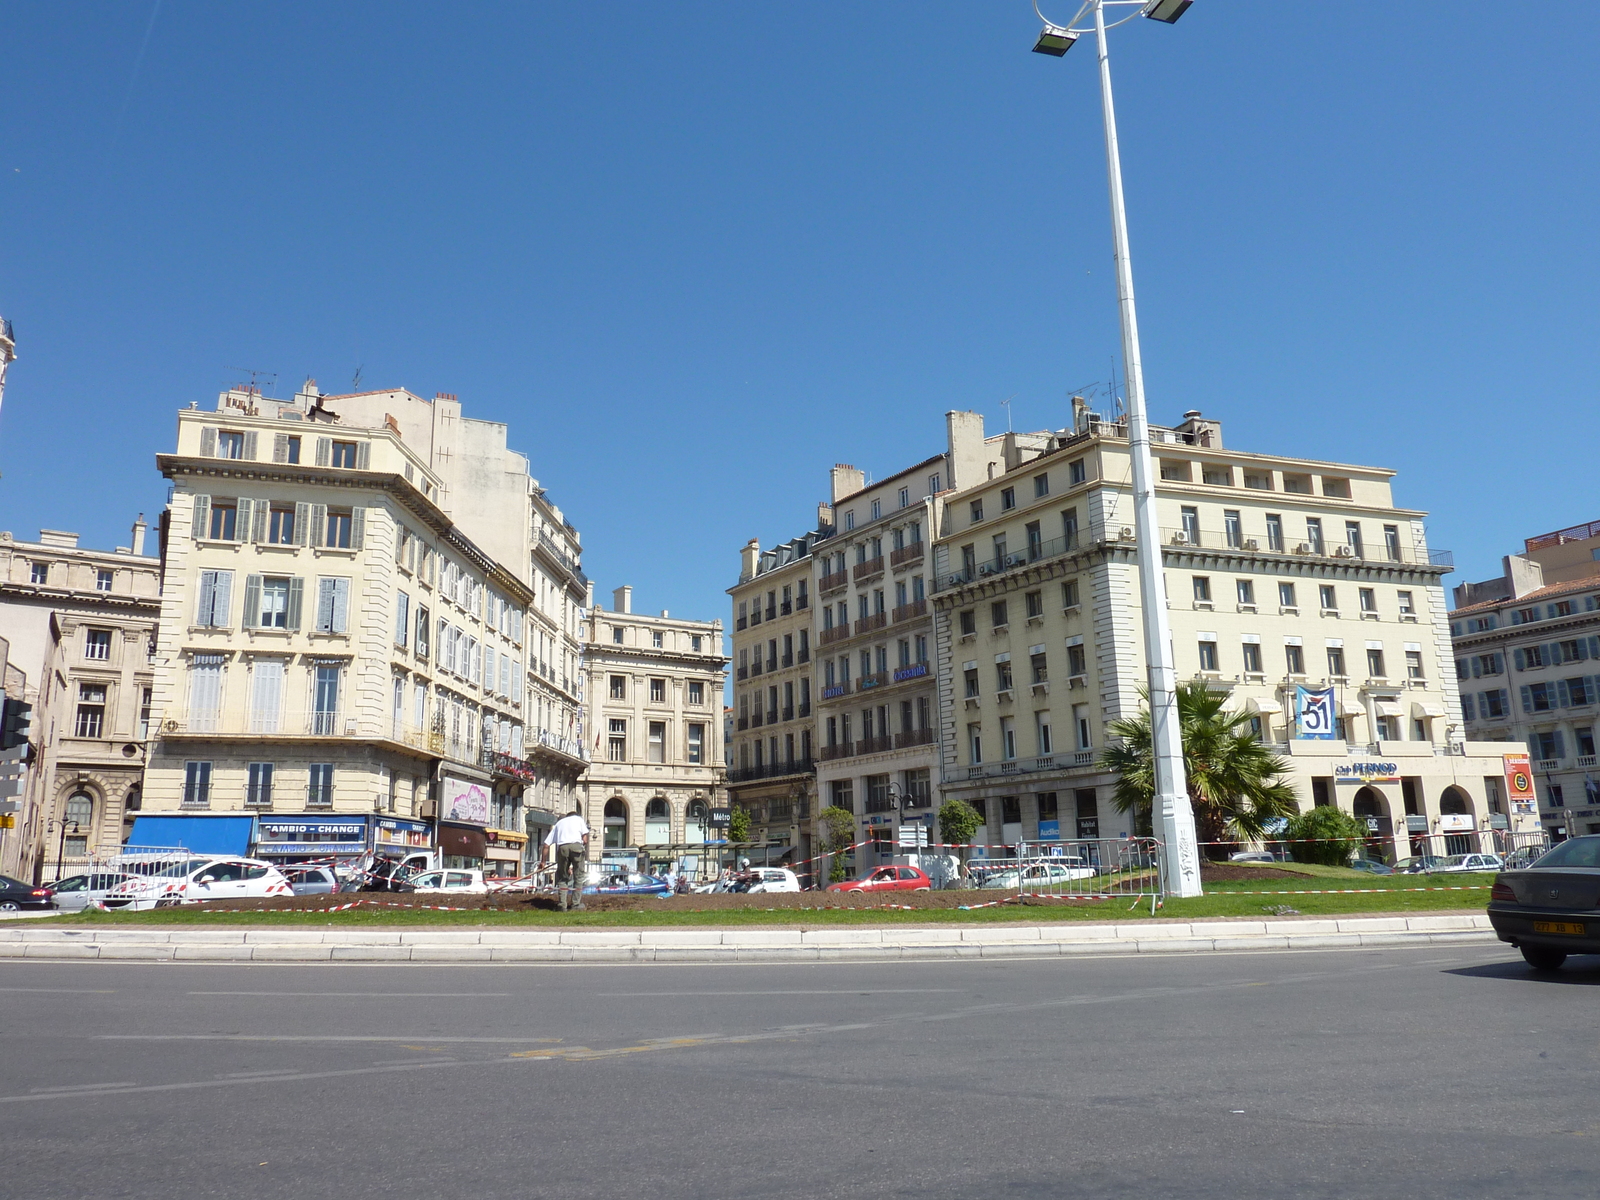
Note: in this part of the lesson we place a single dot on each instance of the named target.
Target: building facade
(1280, 573)
(655, 686)
(1527, 658)
(81, 624)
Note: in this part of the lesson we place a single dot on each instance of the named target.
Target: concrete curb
(682, 946)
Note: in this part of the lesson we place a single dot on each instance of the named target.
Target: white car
(774, 879)
(1054, 873)
(197, 880)
(78, 892)
(1460, 864)
(456, 883)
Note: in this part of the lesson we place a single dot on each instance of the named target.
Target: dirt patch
(1240, 873)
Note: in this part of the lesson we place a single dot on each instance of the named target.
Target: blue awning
(196, 834)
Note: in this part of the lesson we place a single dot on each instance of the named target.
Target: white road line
(795, 992)
(371, 995)
(79, 1087)
(303, 1037)
(65, 991)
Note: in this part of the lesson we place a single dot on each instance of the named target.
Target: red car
(887, 879)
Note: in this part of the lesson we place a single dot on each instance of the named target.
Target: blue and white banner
(1314, 714)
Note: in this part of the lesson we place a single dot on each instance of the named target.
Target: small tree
(958, 821)
(739, 824)
(838, 828)
(1325, 835)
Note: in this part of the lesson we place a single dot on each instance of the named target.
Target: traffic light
(16, 723)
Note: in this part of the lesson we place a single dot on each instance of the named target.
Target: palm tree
(1236, 784)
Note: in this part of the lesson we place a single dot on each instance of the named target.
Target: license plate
(1572, 927)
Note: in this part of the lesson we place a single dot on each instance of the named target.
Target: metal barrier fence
(1080, 869)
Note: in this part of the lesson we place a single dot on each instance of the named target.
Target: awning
(1419, 709)
(1351, 708)
(196, 834)
(1267, 708)
(501, 854)
(1389, 708)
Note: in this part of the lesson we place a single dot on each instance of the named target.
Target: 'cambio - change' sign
(464, 800)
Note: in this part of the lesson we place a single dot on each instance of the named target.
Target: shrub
(838, 829)
(1324, 835)
(739, 824)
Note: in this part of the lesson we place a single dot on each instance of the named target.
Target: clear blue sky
(694, 253)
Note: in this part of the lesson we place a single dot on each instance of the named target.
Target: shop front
(503, 853)
(394, 838)
(309, 838)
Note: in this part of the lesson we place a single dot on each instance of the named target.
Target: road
(1405, 1072)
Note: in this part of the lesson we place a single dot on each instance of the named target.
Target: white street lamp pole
(1173, 815)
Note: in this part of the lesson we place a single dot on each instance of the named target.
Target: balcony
(805, 711)
(832, 583)
(910, 554)
(755, 667)
(772, 665)
(741, 623)
(786, 607)
(874, 745)
(802, 602)
(868, 624)
(1036, 552)
(803, 655)
(755, 719)
(772, 716)
(788, 713)
(866, 570)
(509, 766)
(787, 660)
(743, 672)
(915, 737)
(742, 724)
(905, 612)
(1238, 541)
(841, 750)
(772, 612)
(837, 634)
(878, 804)
(799, 766)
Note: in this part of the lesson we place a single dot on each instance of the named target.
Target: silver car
(78, 892)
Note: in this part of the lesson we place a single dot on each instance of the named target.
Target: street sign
(913, 837)
(721, 816)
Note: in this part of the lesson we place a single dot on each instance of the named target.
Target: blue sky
(694, 254)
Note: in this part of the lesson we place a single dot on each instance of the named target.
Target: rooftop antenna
(256, 377)
(355, 380)
(1006, 404)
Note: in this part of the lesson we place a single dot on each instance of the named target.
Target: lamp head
(1054, 41)
(1166, 10)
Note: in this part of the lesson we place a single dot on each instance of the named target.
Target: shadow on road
(1580, 970)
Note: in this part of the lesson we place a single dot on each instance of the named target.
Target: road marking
(64, 1088)
(303, 1037)
(65, 991)
(370, 995)
(267, 1074)
(795, 992)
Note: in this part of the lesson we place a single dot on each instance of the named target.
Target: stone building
(80, 624)
(654, 686)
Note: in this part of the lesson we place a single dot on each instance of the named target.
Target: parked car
(1551, 909)
(887, 879)
(1051, 874)
(198, 880)
(1419, 865)
(1371, 866)
(312, 881)
(773, 879)
(630, 883)
(1460, 864)
(16, 895)
(1251, 856)
(78, 892)
(458, 883)
(1136, 856)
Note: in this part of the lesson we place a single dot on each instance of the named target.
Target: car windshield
(180, 869)
(1575, 852)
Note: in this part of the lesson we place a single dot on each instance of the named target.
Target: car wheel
(10, 906)
(853, 892)
(922, 889)
(1542, 958)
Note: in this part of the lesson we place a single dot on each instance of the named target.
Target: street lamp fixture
(1173, 815)
(1054, 41)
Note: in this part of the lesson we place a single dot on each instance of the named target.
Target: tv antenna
(256, 377)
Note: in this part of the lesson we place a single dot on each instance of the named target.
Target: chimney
(845, 480)
(824, 515)
(622, 599)
(138, 535)
(748, 558)
(58, 538)
(1080, 414)
(964, 431)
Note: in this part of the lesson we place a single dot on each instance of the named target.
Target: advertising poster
(1519, 783)
(1314, 713)
(464, 800)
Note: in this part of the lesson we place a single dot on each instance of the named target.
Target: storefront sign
(1314, 713)
(310, 835)
(1456, 823)
(1519, 783)
(1416, 824)
(914, 671)
(828, 693)
(1049, 831)
(461, 841)
(463, 800)
(392, 831)
(1366, 772)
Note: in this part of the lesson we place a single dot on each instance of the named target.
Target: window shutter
(297, 592)
(324, 451)
(1499, 663)
(208, 442)
(341, 605)
(262, 511)
(1594, 647)
(1559, 746)
(402, 618)
(1466, 705)
(302, 523)
(252, 601)
(358, 526)
(207, 599)
(1527, 699)
(1477, 666)
(280, 447)
(224, 595)
(325, 606)
(319, 523)
(201, 517)
(250, 444)
(363, 455)
(1563, 694)
(243, 519)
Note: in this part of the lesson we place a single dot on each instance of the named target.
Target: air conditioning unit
(1303, 548)
(1251, 544)
(1016, 560)
(1125, 534)
(1343, 552)
(1180, 538)
(986, 569)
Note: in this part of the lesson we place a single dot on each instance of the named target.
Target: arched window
(80, 809)
(616, 823)
(657, 822)
(1453, 802)
(694, 824)
(656, 810)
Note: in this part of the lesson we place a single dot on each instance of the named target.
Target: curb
(686, 946)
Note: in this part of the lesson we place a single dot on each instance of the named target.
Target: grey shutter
(324, 451)
(1499, 663)
(358, 525)
(1560, 746)
(319, 523)
(402, 618)
(207, 599)
(1521, 664)
(250, 444)
(324, 605)
(302, 522)
(1466, 705)
(262, 511)
(1527, 699)
(1594, 647)
(224, 597)
(297, 594)
(252, 602)
(280, 447)
(201, 517)
(341, 605)
(1563, 694)
(363, 455)
(1477, 666)
(208, 441)
(243, 519)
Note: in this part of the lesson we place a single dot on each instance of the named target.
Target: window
(103, 580)
(1286, 595)
(1035, 602)
(1406, 607)
(1191, 524)
(280, 526)
(1369, 600)
(1069, 529)
(1208, 655)
(997, 614)
(205, 692)
(1077, 663)
(1202, 589)
(1274, 532)
(658, 691)
(402, 616)
(224, 522)
(39, 573)
(1352, 538)
(1252, 657)
(1039, 668)
(619, 687)
(975, 744)
(1008, 738)
(1294, 661)
(1245, 589)
(325, 698)
(617, 740)
(935, 485)
(1414, 664)
(1375, 664)
(850, 519)
(287, 448)
(213, 599)
(145, 701)
(697, 642)
(423, 629)
(1035, 540)
(1314, 534)
(1215, 475)
(1328, 598)
(230, 445)
(697, 741)
(658, 741)
(1080, 722)
(1002, 676)
(338, 531)
(196, 784)
(333, 605)
(1338, 488)
(976, 510)
(97, 644)
(616, 635)
(1041, 485)
(1176, 472)
(91, 710)
(877, 509)
(1076, 471)
(905, 497)
(1069, 594)
(1388, 730)
(343, 454)
(1008, 499)
(1336, 662)
(1232, 527)
(258, 791)
(655, 639)
(319, 786)
(1041, 732)
(970, 676)
(1259, 483)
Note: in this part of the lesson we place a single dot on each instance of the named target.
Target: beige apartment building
(654, 687)
(337, 657)
(1527, 648)
(772, 742)
(1280, 572)
(81, 624)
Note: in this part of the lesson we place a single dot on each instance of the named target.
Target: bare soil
(1243, 873)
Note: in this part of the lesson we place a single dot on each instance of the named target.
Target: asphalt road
(1416, 1073)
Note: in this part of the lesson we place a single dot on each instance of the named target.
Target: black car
(16, 895)
(1552, 908)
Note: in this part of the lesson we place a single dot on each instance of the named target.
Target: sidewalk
(168, 944)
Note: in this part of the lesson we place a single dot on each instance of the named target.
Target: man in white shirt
(569, 841)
